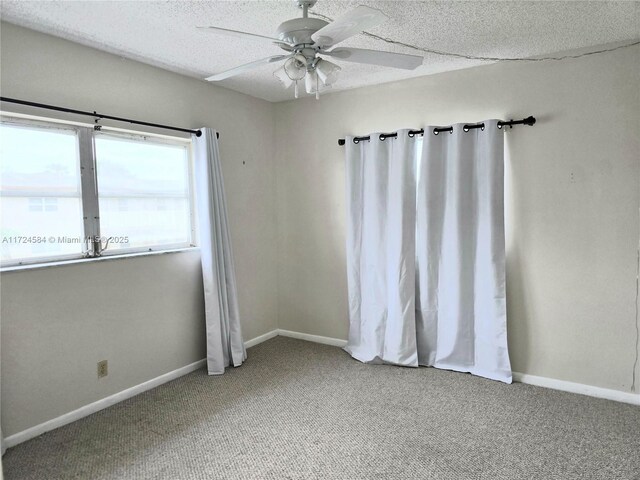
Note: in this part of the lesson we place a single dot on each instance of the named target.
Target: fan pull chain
(317, 90)
(295, 90)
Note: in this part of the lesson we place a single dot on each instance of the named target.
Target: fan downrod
(305, 5)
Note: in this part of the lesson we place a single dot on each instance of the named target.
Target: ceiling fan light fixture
(308, 41)
(327, 72)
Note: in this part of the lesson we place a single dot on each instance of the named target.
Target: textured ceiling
(163, 33)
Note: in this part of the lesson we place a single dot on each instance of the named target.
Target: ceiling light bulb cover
(327, 71)
(311, 82)
(281, 75)
(296, 67)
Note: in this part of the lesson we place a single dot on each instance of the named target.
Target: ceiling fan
(308, 40)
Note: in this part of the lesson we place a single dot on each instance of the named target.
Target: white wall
(144, 315)
(572, 203)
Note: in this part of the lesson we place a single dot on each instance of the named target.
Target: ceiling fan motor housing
(299, 30)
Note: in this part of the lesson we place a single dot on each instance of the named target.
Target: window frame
(87, 163)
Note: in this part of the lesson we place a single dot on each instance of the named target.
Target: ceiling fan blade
(347, 25)
(243, 68)
(239, 34)
(376, 57)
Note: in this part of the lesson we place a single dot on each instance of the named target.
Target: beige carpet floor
(298, 410)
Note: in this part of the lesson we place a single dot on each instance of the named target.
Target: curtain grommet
(435, 131)
(382, 137)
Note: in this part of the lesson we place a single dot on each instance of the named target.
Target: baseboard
(616, 395)
(101, 404)
(261, 338)
(336, 342)
(598, 392)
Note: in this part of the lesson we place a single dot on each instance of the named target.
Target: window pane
(49, 231)
(143, 190)
(39, 193)
(38, 160)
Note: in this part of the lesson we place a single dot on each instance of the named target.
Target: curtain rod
(530, 120)
(94, 114)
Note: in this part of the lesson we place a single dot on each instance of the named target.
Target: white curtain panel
(3, 447)
(461, 318)
(224, 336)
(425, 251)
(381, 199)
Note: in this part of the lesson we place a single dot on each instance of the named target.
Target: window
(69, 192)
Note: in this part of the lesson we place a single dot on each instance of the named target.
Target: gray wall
(572, 203)
(145, 315)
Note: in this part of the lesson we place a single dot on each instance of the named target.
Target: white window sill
(106, 258)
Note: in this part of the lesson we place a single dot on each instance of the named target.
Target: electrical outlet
(103, 369)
